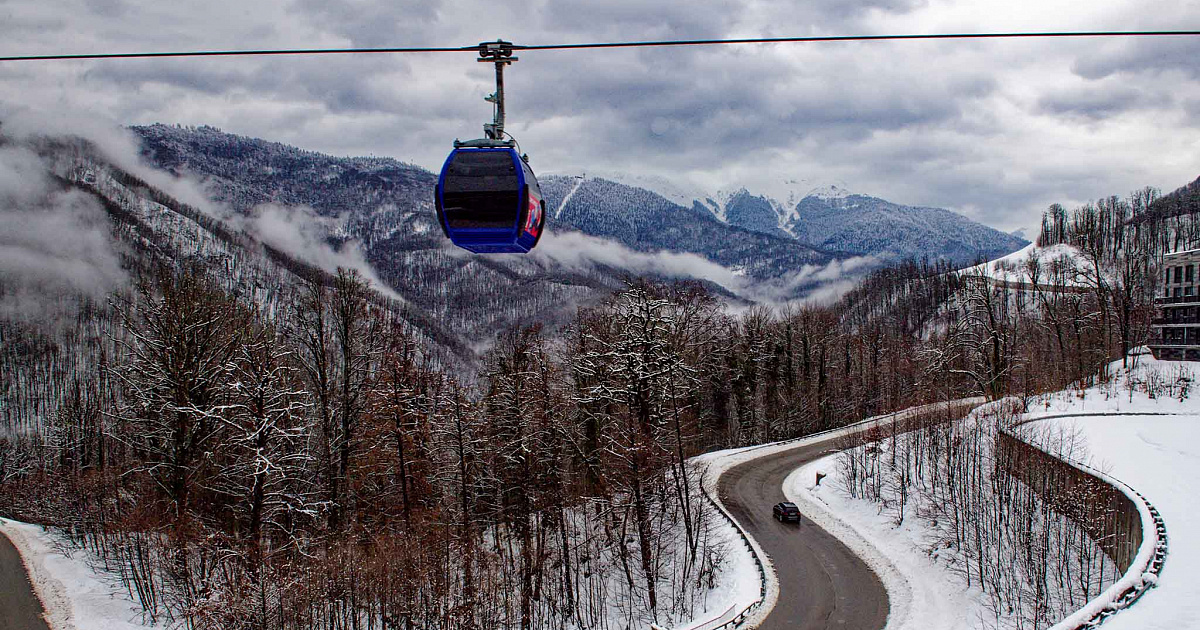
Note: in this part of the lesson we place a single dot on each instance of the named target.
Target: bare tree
(184, 337)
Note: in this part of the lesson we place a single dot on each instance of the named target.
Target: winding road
(822, 584)
(19, 607)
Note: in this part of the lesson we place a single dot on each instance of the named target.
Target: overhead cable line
(240, 53)
(862, 38)
(639, 44)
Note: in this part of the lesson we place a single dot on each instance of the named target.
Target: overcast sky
(996, 130)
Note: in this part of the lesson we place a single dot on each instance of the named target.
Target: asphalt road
(19, 607)
(822, 584)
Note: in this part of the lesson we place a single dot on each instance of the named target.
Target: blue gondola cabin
(488, 201)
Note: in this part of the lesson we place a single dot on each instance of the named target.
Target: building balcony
(1192, 339)
(1179, 321)
(1183, 299)
(1175, 352)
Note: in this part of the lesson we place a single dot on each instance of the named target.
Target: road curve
(822, 584)
(19, 607)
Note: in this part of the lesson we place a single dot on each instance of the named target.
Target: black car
(786, 511)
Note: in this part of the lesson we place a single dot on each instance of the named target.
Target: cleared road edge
(897, 587)
(48, 590)
(718, 462)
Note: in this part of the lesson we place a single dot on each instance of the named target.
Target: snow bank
(740, 584)
(75, 596)
(35, 547)
(921, 593)
(1120, 420)
(750, 588)
(924, 593)
(1149, 561)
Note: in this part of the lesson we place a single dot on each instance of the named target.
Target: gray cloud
(372, 24)
(846, 10)
(1192, 109)
(114, 142)
(301, 232)
(136, 74)
(340, 85)
(1142, 56)
(637, 18)
(110, 8)
(1097, 103)
(55, 241)
(822, 282)
(581, 252)
(998, 130)
(713, 107)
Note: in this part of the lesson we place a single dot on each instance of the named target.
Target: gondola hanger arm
(500, 53)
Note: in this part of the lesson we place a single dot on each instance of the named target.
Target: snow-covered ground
(75, 596)
(1012, 268)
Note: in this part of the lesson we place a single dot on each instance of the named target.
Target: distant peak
(726, 195)
(831, 191)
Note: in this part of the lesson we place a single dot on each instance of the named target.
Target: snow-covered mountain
(862, 224)
(833, 219)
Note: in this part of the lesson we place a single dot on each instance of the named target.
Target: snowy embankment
(1061, 265)
(1153, 445)
(745, 596)
(74, 595)
(1149, 443)
(1142, 574)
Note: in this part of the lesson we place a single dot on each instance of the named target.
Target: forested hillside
(386, 208)
(388, 205)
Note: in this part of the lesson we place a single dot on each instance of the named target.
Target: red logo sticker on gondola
(535, 216)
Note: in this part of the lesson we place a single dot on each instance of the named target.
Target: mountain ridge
(831, 218)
